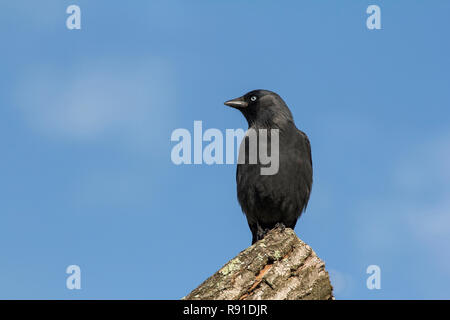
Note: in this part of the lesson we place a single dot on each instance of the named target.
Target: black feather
(279, 199)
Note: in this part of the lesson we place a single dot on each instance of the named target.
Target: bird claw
(280, 226)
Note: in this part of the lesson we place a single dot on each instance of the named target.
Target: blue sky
(86, 118)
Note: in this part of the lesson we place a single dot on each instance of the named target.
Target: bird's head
(262, 108)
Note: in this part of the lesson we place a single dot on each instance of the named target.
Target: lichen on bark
(279, 267)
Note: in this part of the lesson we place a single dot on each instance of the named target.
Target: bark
(278, 267)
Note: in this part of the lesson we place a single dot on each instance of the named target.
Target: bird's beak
(238, 103)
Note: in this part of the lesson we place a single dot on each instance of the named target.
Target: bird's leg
(260, 233)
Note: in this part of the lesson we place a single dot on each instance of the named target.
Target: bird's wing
(301, 157)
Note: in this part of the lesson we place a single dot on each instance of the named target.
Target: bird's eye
(253, 98)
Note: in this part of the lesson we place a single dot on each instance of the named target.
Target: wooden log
(278, 267)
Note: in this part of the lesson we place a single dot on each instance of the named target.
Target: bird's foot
(261, 233)
(280, 226)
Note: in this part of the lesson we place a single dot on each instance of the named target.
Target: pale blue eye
(253, 98)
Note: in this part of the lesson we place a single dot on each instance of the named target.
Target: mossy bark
(278, 267)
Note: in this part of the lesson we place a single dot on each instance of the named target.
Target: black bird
(273, 200)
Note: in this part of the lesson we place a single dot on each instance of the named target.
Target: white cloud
(425, 167)
(425, 175)
(418, 209)
(129, 100)
(343, 283)
(433, 222)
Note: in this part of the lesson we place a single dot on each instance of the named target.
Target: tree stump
(278, 267)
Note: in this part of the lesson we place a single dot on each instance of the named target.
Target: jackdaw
(275, 199)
